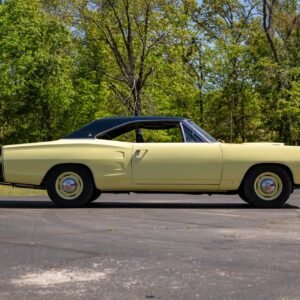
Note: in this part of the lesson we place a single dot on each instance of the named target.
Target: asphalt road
(149, 247)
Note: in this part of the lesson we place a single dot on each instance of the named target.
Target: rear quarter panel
(108, 161)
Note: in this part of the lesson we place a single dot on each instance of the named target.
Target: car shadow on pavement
(184, 205)
(38, 204)
(13, 203)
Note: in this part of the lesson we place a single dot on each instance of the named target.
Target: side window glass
(161, 135)
(190, 136)
(146, 133)
(129, 136)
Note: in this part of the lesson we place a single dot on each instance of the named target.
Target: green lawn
(11, 191)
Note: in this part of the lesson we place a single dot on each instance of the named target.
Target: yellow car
(151, 154)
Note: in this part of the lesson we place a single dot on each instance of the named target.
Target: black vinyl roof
(101, 125)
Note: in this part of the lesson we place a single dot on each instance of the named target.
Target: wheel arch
(45, 178)
(283, 166)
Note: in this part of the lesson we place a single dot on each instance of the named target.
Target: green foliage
(231, 66)
(35, 90)
(39, 83)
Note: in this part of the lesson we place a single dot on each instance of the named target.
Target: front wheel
(243, 197)
(70, 186)
(96, 194)
(267, 186)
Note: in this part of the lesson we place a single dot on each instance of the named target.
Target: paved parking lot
(149, 247)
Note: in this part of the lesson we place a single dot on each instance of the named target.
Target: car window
(190, 136)
(146, 132)
(203, 132)
(129, 137)
(170, 135)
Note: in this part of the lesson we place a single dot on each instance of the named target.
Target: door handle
(140, 153)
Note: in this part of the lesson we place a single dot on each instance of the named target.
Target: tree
(131, 32)
(229, 95)
(231, 65)
(281, 25)
(36, 68)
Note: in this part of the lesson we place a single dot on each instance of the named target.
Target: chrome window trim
(182, 132)
(182, 123)
(199, 134)
(115, 127)
(134, 122)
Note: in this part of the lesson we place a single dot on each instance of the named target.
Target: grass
(11, 191)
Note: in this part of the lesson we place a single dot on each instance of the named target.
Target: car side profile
(151, 154)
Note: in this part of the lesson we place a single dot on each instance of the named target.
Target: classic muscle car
(151, 154)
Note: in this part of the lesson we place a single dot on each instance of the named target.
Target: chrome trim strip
(182, 132)
(199, 134)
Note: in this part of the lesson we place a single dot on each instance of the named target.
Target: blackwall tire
(267, 186)
(96, 194)
(70, 186)
(243, 197)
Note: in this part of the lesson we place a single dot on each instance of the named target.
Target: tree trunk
(137, 102)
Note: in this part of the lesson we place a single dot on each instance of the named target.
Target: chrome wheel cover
(69, 185)
(268, 186)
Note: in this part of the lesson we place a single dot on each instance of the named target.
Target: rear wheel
(70, 186)
(267, 186)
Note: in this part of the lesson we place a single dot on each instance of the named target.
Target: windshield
(201, 131)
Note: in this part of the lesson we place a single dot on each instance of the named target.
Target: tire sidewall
(243, 196)
(96, 194)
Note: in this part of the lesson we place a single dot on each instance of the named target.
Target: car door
(186, 164)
